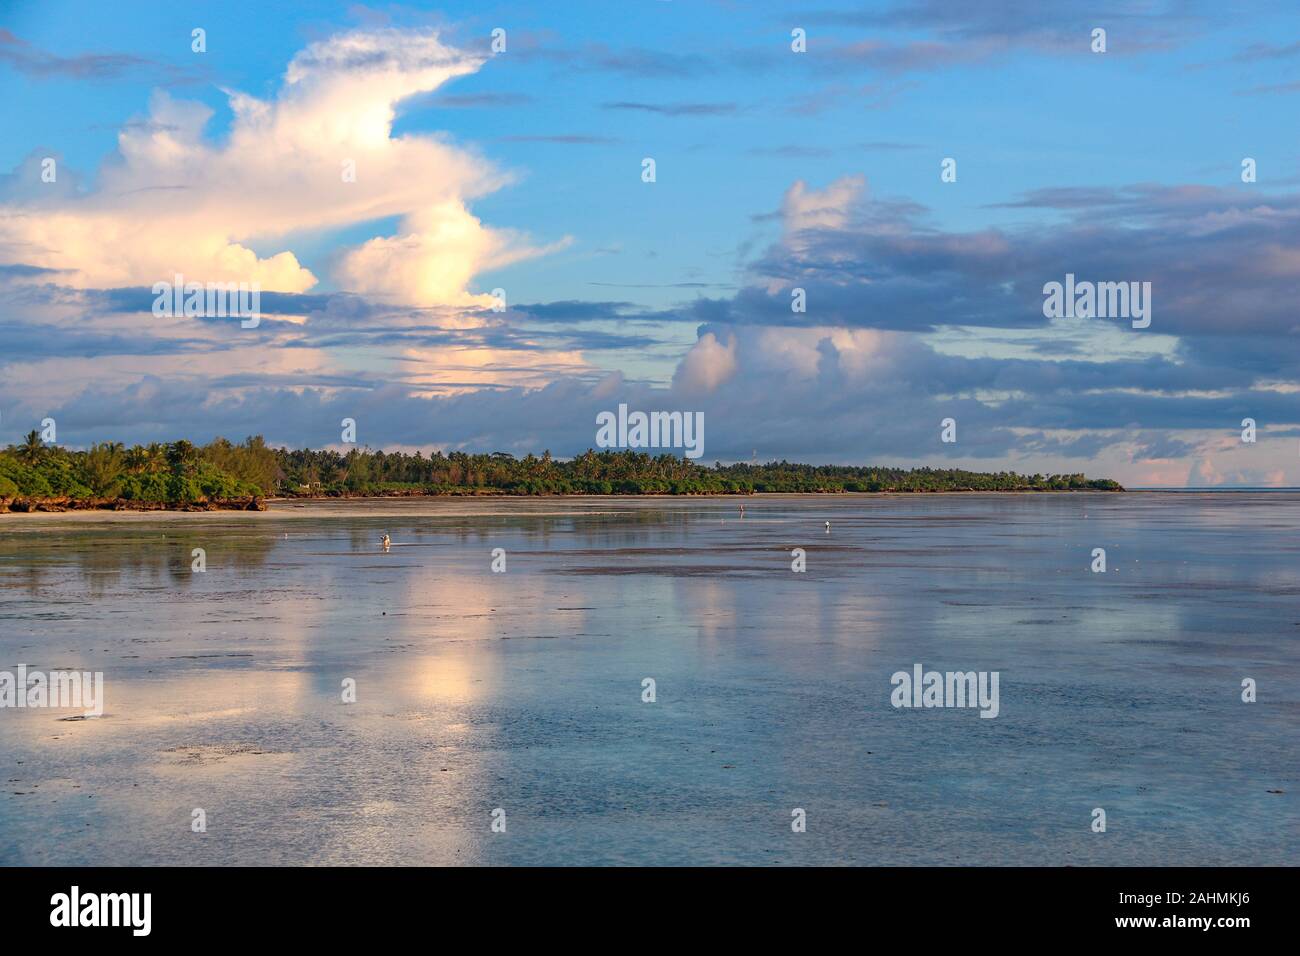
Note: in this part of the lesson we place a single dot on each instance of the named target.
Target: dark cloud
(916, 36)
(26, 58)
(33, 61)
(28, 341)
(334, 321)
(841, 381)
(1049, 411)
(18, 269)
(1221, 263)
(576, 310)
(1049, 27)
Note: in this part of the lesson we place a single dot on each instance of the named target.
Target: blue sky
(521, 170)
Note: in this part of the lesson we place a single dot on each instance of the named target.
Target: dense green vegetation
(175, 473)
(626, 472)
(182, 473)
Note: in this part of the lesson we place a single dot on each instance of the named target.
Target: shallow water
(522, 690)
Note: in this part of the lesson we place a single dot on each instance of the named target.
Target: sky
(458, 245)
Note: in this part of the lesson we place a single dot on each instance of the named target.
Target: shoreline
(299, 507)
(259, 503)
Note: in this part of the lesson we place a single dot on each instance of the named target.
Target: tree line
(181, 472)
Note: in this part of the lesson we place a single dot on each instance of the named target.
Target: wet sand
(522, 690)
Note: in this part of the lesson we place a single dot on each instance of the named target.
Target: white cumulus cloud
(175, 202)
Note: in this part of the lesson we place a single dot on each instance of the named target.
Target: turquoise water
(523, 690)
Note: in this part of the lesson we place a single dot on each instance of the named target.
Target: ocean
(504, 717)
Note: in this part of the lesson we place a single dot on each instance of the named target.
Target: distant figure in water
(828, 527)
(386, 542)
(742, 511)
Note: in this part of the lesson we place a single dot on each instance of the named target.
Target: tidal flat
(523, 690)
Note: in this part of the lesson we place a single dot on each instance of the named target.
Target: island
(222, 475)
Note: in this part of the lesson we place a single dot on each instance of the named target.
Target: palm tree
(32, 450)
(156, 460)
(137, 459)
(182, 456)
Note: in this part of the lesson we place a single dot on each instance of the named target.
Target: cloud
(25, 58)
(910, 37)
(175, 203)
(77, 264)
(1221, 263)
(976, 30)
(440, 249)
(803, 208)
(822, 394)
(707, 365)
